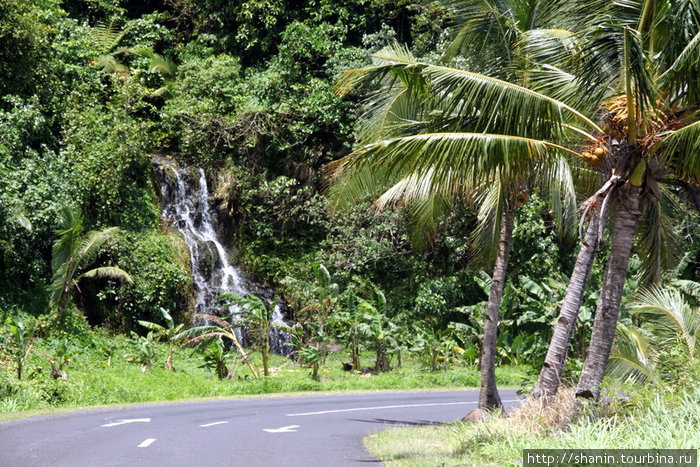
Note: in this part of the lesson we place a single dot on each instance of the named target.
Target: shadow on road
(385, 421)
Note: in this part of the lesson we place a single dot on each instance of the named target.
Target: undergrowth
(100, 372)
(645, 423)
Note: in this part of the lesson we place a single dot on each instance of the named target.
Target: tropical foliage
(169, 331)
(459, 136)
(73, 252)
(467, 128)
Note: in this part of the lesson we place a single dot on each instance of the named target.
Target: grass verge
(500, 441)
(96, 381)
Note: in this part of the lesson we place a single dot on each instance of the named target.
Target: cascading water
(186, 205)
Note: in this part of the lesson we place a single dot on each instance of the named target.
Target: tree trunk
(169, 360)
(628, 215)
(63, 300)
(382, 363)
(550, 375)
(221, 370)
(355, 354)
(265, 351)
(488, 397)
(242, 353)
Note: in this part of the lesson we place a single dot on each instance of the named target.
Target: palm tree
(430, 170)
(476, 126)
(72, 253)
(606, 50)
(410, 103)
(654, 114)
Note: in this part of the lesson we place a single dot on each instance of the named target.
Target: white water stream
(186, 205)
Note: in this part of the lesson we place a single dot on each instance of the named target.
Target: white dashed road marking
(212, 424)
(147, 443)
(124, 422)
(284, 429)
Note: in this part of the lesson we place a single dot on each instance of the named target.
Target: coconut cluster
(594, 156)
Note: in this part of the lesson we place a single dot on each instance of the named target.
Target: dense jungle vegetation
(298, 149)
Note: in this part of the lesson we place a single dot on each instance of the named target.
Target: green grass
(92, 382)
(500, 441)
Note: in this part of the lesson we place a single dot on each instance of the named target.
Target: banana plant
(144, 350)
(18, 343)
(215, 357)
(168, 332)
(346, 327)
(305, 353)
(377, 329)
(322, 295)
(219, 328)
(257, 316)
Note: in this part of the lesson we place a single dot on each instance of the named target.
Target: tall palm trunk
(628, 215)
(553, 366)
(488, 397)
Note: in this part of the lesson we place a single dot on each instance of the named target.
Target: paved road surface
(305, 431)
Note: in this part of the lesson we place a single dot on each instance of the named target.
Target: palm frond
(668, 316)
(156, 62)
(609, 54)
(492, 207)
(394, 61)
(429, 202)
(107, 272)
(687, 59)
(68, 238)
(59, 280)
(90, 246)
(657, 244)
(393, 110)
(106, 37)
(554, 47)
(528, 112)
(563, 86)
(109, 64)
(688, 287)
(632, 358)
(676, 36)
(484, 25)
(463, 93)
(557, 183)
(461, 153)
(347, 186)
(681, 152)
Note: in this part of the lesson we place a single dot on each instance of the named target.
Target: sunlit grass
(92, 382)
(500, 441)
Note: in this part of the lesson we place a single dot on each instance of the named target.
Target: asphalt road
(308, 431)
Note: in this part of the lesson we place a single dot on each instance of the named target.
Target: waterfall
(279, 339)
(186, 206)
